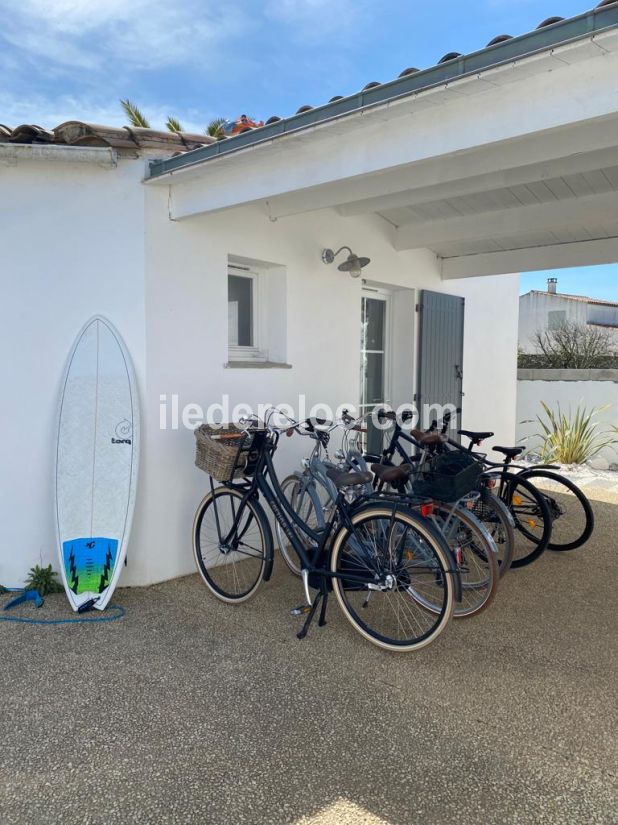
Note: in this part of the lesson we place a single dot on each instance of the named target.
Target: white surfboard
(97, 456)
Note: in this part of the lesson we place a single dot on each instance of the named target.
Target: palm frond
(136, 118)
(215, 127)
(173, 125)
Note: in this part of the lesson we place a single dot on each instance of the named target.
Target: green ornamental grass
(573, 439)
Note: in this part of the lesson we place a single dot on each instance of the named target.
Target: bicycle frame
(265, 481)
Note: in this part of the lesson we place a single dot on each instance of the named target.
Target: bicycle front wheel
(570, 510)
(388, 568)
(232, 546)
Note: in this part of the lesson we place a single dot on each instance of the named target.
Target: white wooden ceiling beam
(555, 256)
(504, 223)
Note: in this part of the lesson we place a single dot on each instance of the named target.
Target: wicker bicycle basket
(221, 451)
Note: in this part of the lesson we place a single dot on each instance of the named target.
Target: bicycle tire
(555, 506)
(256, 573)
(478, 567)
(289, 555)
(515, 488)
(438, 560)
(493, 513)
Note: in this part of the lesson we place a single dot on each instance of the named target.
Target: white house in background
(539, 311)
(209, 262)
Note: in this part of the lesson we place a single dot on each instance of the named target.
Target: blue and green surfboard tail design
(89, 563)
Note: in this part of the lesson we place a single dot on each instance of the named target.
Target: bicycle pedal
(301, 611)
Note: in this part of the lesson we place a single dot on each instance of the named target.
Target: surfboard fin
(87, 605)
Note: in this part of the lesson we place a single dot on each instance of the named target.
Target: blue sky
(198, 59)
(593, 281)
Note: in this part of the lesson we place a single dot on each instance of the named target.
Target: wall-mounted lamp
(353, 264)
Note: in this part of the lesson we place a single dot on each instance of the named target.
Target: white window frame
(256, 352)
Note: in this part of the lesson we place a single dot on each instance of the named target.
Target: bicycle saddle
(510, 452)
(475, 437)
(341, 479)
(428, 439)
(391, 475)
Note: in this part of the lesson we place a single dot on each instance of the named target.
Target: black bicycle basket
(450, 477)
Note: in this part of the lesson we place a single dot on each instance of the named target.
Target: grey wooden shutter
(440, 352)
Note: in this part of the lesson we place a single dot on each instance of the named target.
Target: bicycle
(571, 526)
(311, 495)
(570, 511)
(489, 509)
(393, 576)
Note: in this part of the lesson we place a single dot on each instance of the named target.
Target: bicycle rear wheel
(494, 515)
(533, 522)
(475, 554)
(231, 551)
(570, 511)
(389, 567)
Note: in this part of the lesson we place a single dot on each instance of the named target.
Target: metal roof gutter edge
(525, 45)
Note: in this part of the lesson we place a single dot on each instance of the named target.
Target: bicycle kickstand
(322, 620)
(312, 610)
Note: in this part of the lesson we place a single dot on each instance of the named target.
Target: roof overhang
(498, 169)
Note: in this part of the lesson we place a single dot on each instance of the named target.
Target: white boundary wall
(569, 389)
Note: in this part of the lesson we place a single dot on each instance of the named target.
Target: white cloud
(118, 34)
(314, 20)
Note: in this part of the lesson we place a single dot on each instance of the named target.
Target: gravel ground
(188, 710)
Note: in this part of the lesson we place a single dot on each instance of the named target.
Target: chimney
(552, 285)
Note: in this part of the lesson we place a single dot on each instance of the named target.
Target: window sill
(256, 365)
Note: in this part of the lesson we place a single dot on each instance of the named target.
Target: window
(256, 313)
(556, 318)
(240, 304)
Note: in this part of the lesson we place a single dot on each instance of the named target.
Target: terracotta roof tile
(123, 138)
(581, 298)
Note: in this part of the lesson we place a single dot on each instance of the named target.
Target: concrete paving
(189, 710)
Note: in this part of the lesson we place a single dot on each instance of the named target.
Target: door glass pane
(373, 365)
(240, 311)
(373, 379)
(375, 440)
(374, 324)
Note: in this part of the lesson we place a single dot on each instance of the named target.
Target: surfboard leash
(112, 613)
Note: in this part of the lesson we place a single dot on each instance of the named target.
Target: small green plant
(572, 440)
(3, 589)
(44, 580)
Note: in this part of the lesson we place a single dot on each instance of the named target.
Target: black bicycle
(570, 511)
(488, 508)
(529, 511)
(572, 519)
(393, 575)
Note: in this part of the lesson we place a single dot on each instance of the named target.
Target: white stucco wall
(72, 245)
(186, 265)
(535, 307)
(79, 240)
(533, 315)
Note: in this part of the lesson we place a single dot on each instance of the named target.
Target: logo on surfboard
(124, 429)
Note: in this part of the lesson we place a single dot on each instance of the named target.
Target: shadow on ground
(188, 710)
